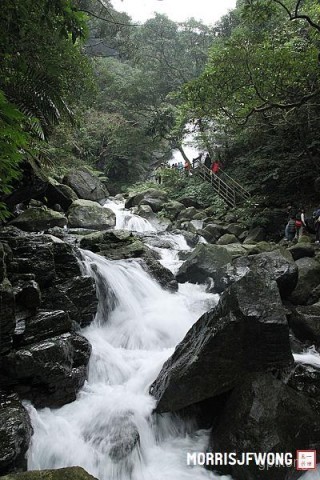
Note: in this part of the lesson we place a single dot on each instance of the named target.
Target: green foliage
(261, 91)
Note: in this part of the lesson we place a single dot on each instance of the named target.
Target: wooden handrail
(230, 191)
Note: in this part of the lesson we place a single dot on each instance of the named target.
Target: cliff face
(44, 300)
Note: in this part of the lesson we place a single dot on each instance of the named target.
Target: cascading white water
(110, 429)
(134, 333)
(126, 220)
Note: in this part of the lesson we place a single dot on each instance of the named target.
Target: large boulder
(77, 297)
(309, 278)
(211, 232)
(227, 238)
(172, 209)
(15, 434)
(39, 219)
(276, 265)
(187, 214)
(88, 214)
(70, 473)
(86, 185)
(264, 415)
(202, 263)
(301, 250)
(156, 199)
(246, 332)
(49, 372)
(60, 194)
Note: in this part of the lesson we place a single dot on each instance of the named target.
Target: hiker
(207, 161)
(180, 167)
(215, 167)
(316, 217)
(291, 229)
(300, 223)
(187, 168)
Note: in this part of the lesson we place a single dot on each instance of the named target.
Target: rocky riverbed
(239, 371)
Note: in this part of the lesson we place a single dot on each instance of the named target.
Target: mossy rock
(39, 219)
(70, 473)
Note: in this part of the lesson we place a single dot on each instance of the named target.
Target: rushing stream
(110, 429)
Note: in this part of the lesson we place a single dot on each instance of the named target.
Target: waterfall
(111, 430)
(125, 220)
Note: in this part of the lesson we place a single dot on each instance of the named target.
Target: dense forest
(81, 84)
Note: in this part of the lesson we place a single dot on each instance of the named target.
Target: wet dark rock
(246, 332)
(60, 194)
(49, 372)
(276, 265)
(309, 278)
(264, 415)
(255, 235)
(70, 473)
(305, 323)
(41, 326)
(77, 297)
(39, 219)
(306, 380)
(202, 263)
(27, 294)
(211, 232)
(300, 250)
(86, 185)
(15, 434)
(163, 275)
(7, 316)
(89, 214)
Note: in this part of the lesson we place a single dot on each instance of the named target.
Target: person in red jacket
(215, 167)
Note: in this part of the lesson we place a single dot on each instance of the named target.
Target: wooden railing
(225, 186)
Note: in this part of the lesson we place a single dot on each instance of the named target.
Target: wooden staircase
(225, 186)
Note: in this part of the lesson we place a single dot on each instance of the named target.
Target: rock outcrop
(45, 298)
(246, 332)
(264, 415)
(70, 473)
(86, 185)
(39, 219)
(89, 214)
(202, 263)
(15, 434)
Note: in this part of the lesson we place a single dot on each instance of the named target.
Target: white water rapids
(110, 429)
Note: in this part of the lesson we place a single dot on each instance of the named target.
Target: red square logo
(306, 460)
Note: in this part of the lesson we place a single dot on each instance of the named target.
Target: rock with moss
(172, 209)
(39, 219)
(227, 238)
(69, 473)
(58, 193)
(15, 434)
(276, 265)
(156, 199)
(88, 214)
(86, 185)
(202, 263)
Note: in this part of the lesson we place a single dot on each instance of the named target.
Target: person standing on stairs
(208, 161)
(215, 167)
